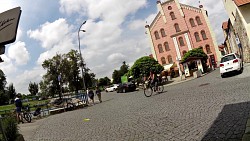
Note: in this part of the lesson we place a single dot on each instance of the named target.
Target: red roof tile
(241, 2)
(224, 25)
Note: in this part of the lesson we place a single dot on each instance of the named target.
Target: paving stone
(186, 111)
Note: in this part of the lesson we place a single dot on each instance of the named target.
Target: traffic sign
(8, 25)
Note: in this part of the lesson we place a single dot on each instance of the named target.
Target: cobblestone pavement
(207, 108)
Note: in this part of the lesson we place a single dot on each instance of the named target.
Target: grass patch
(8, 108)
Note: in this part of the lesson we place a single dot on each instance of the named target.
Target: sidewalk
(178, 80)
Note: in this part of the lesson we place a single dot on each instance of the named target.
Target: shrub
(10, 128)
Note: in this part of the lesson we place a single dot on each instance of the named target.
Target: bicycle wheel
(27, 117)
(148, 91)
(160, 88)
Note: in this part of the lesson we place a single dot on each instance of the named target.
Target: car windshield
(227, 58)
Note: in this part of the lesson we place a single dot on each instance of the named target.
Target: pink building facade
(178, 28)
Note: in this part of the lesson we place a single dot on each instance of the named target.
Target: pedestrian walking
(99, 94)
(85, 97)
(91, 96)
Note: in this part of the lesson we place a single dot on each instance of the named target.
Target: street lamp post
(84, 86)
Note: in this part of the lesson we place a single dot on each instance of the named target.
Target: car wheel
(241, 70)
(222, 75)
(124, 90)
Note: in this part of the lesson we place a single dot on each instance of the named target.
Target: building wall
(165, 21)
(230, 9)
(240, 20)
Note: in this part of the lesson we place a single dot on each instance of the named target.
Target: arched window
(181, 41)
(197, 37)
(208, 49)
(172, 15)
(160, 48)
(203, 34)
(163, 34)
(163, 61)
(198, 20)
(170, 60)
(177, 28)
(192, 22)
(157, 35)
(166, 46)
(184, 52)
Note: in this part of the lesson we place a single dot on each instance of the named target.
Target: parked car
(112, 88)
(126, 87)
(229, 63)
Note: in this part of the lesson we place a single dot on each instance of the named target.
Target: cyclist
(153, 79)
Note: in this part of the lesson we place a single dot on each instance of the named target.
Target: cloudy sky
(114, 33)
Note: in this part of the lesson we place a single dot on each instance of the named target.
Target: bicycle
(149, 89)
(26, 113)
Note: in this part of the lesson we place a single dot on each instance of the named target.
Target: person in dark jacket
(99, 94)
(91, 95)
(19, 105)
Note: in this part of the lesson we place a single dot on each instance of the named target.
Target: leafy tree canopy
(143, 65)
(118, 73)
(197, 52)
(33, 88)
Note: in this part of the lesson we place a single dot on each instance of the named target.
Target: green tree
(197, 52)
(104, 81)
(118, 73)
(2, 80)
(65, 70)
(3, 94)
(143, 65)
(11, 91)
(33, 88)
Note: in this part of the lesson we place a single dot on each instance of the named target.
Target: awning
(167, 67)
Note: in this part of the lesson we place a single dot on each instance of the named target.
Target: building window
(192, 22)
(198, 20)
(203, 34)
(163, 61)
(181, 41)
(163, 34)
(208, 49)
(169, 8)
(172, 15)
(160, 48)
(184, 52)
(157, 35)
(177, 28)
(170, 60)
(166, 46)
(197, 37)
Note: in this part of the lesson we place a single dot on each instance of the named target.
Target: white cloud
(21, 81)
(136, 24)
(19, 53)
(55, 37)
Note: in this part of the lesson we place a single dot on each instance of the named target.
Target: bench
(56, 111)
